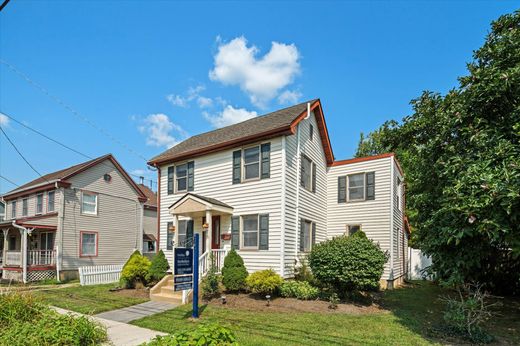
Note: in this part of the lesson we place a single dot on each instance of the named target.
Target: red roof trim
(361, 159)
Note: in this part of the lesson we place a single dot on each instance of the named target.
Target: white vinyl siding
(398, 225)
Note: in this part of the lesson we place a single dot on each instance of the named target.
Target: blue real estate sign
(183, 269)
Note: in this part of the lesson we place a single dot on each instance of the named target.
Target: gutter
(282, 235)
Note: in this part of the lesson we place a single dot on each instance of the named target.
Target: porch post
(209, 221)
(23, 233)
(6, 245)
(176, 234)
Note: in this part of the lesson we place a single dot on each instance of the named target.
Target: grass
(413, 318)
(88, 299)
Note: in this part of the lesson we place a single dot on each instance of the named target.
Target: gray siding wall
(117, 222)
(374, 215)
(150, 222)
(399, 244)
(31, 202)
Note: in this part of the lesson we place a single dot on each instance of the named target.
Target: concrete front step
(166, 298)
(163, 292)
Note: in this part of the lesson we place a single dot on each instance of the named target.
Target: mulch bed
(255, 303)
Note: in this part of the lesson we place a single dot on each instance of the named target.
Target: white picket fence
(94, 275)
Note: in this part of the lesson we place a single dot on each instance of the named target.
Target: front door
(215, 235)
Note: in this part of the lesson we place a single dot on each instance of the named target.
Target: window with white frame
(182, 229)
(251, 169)
(89, 243)
(306, 173)
(356, 187)
(25, 207)
(250, 231)
(50, 201)
(13, 209)
(351, 229)
(39, 203)
(307, 235)
(182, 177)
(169, 236)
(89, 203)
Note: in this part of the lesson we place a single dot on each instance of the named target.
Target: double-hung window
(89, 244)
(89, 203)
(251, 163)
(308, 174)
(39, 203)
(181, 178)
(356, 187)
(50, 201)
(170, 179)
(25, 207)
(250, 232)
(13, 210)
(307, 235)
(351, 229)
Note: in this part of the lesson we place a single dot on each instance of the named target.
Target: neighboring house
(271, 188)
(2, 211)
(149, 222)
(87, 214)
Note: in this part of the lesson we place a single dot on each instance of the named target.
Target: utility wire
(21, 155)
(9, 181)
(70, 109)
(62, 144)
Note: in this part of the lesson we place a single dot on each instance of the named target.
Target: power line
(70, 109)
(21, 155)
(62, 144)
(9, 181)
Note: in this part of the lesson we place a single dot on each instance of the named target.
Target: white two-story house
(271, 188)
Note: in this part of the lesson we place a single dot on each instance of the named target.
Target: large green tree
(461, 156)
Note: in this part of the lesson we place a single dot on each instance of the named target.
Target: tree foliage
(461, 156)
(158, 268)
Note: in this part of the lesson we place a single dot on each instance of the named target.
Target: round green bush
(158, 268)
(264, 282)
(234, 272)
(348, 263)
(299, 289)
(135, 270)
(204, 334)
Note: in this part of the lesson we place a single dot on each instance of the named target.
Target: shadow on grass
(189, 313)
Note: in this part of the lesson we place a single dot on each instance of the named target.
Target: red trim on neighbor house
(37, 217)
(30, 191)
(13, 269)
(361, 159)
(81, 243)
(30, 225)
(157, 248)
(38, 268)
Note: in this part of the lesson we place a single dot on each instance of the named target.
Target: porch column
(176, 234)
(209, 221)
(23, 234)
(6, 245)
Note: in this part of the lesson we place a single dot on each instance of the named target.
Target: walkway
(136, 312)
(121, 334)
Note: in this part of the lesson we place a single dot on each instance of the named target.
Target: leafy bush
(234, 272)
(135, 270)
(333, 301)
(264, 282)
(26, 321)
(158, 268)
(210, 283)
(205, 334)
(299, 289)
(303, 273)
(348, 263)
(359, 234)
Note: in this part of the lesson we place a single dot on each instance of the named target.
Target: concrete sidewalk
(136, 312)
(120, 334)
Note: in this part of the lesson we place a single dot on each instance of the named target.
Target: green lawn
(413, 317)
(88, 299)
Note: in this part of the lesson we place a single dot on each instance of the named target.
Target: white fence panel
(417, 262)
(95, 275)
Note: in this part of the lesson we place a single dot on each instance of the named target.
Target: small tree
(348, 263)
(135, 270)
(158, 268)
(234, 272)
(210, 283)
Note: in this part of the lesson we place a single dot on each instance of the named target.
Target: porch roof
(192, 204)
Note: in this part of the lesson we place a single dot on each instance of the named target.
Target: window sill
(89, 215)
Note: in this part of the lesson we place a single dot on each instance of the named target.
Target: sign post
(195, 313)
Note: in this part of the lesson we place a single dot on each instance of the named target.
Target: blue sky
(152, 73)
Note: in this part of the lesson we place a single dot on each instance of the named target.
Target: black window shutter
(370, 185)
(342, 189)
(266, 160)
(237, 158)
(189, 233)
(313, 177)
(314, 233)
(170, 180)
(302, 230)
(264, 232)
(235, 232)
(302, 179)
(169, 236)
(191, 175)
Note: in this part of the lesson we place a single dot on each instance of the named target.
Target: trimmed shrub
(359, 234)
(210, 283)
(303, 273)
(158, 268)
(348, 263)
(135, 270)
(299, 289)
(264, 282)
(205, 334)
(234, 272)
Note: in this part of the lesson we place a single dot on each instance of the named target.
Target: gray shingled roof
(278, 120)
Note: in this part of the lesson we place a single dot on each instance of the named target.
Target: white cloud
(260, 77)
(4, 120)
(193, 94)
(161, 131)
(289, 97)
(177, 100)
(229, 116)
(204, 102)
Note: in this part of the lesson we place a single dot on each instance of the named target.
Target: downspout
(61, 218)
(141, 230)
(23, 232)
(392, 182)
(282, 236)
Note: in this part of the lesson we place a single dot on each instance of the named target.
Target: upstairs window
(181, 172)
(89, 203)
(39, 203)
(356, 187)
(25, 207)
(170, 180)
(252, 163)
(13, 209)
(50, 201)
(308, 174)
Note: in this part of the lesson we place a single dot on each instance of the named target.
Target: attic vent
(107, 177)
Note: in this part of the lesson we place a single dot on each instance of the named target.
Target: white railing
(218, 261)
(41, 257)
(94, 275)
(13, 258)
(218, 258)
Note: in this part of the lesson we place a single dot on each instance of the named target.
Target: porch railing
(41, 257)
(13, 258)
(218, 261)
